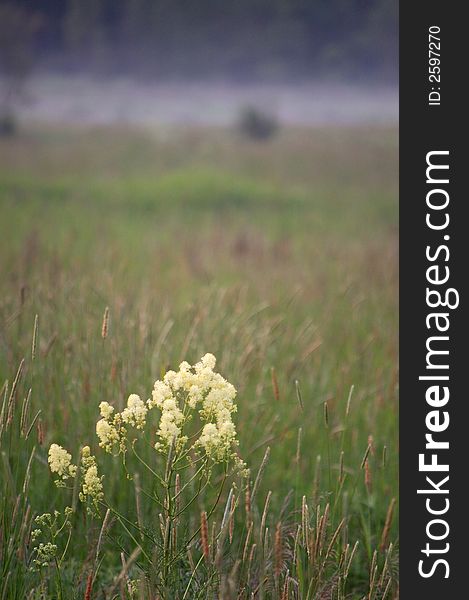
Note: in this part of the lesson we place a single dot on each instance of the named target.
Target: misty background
(186, 61)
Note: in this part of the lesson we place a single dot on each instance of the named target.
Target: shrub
(257, 124)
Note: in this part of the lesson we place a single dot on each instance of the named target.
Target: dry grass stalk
(27, 474)
(295, 546)
(11, 399)
(275, 387)
(246, 543)
(260, 473)
(349, 563)
(305, 524)
(373, 573)
(298, 446)
(387, 525)
(105, 325)
(247, 505)
(286, 587)
(341, 469)
(278, 550)
(4, 393)
(190, 558)
(24, 412)
(266, 543)
(317, 479)
(251, 557)
(40, 432)
(385, 566)
(34, 340)
(321, 531)
(349, 400)
(162, 524)
(387, 589)
(264, 515)
(125, 568)
(368, 478)
(138, 502)
(231, 517)
(102, 533)
(24, 532)
(333, 540)
(298, 394)
(365, 456)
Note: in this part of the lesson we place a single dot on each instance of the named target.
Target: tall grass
(297, 298)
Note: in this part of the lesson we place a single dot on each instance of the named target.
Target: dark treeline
(237, 39)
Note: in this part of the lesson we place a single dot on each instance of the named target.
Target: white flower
(178, 396)
(60, 462)
(92, 486)
(195, 395)
(170, 426)
(135, 413)
(109, 435)
(168, 378)
(161, 392)
(209, 361)
(106, 410)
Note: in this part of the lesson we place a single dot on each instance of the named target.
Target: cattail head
(89, 585)
(40, 432)
(204, 536)
(105, 325)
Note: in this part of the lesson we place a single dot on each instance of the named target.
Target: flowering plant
(194, 434)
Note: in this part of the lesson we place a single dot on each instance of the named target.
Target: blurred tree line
(240, 39)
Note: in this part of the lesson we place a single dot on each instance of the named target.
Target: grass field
(280, 258)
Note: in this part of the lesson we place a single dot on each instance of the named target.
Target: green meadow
(279, 258)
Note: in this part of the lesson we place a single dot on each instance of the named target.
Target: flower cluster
(92, 486)
(60, 462)
(199, 388)
(192, 391)
(44, 554)
(111, 428)
(50, 526)
(91, 482)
